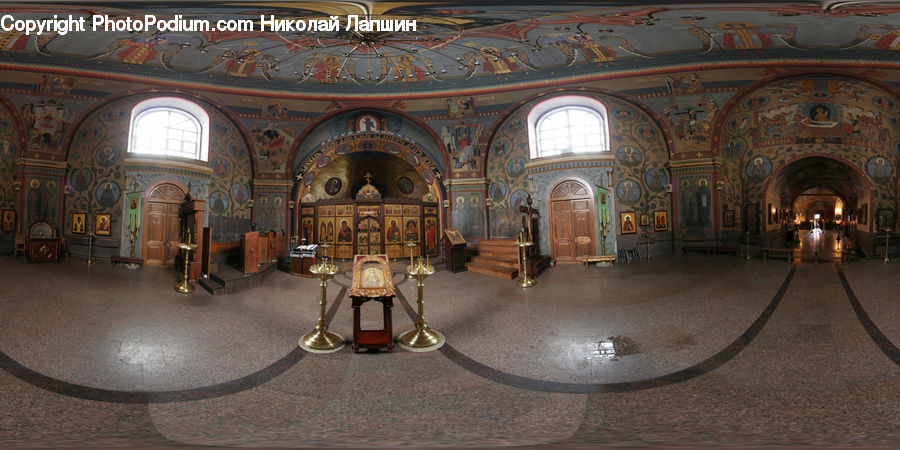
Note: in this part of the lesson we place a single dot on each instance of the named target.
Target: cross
(368, 177)
(529, 213)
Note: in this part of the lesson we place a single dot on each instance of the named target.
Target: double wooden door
(162, 230)
(571, 222)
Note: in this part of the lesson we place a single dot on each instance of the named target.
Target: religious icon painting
(411, 229)
(103, 225)
(660, 221)
(728, 219)
(333, 186)
(405, 185)
(78, 223)
(9, 221)
(645, 220)
(627, 222)
(431, 236)
(306, 230)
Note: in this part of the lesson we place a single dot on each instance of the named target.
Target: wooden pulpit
(249, 251)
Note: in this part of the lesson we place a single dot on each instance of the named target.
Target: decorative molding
(549, 164)
(53, 166)
(467, 184)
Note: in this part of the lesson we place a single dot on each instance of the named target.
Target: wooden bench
(115, 259)
(710, 249)
(788, 253)
(600, 258)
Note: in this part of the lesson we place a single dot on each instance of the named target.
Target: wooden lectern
(372, 281)
(455, 250)
(249, 250)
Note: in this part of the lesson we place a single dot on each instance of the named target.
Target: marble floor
(675, 351)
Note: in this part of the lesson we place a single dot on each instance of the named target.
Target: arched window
(169, 126)
(568, 124)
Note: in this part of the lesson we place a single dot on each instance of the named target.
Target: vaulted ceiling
(457, 46)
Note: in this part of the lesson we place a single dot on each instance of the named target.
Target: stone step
(511, 263)
(211, 286)
(496, 243)
(495, 271)
(500, 253)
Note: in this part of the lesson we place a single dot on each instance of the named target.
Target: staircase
(498, 258)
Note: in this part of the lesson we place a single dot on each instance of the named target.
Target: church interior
(450, 224)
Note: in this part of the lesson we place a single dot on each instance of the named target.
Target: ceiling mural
(454, 45)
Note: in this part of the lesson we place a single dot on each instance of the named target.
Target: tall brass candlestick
(421, 339)
(90, 248)
(185, 287)
(321, 340)
(133, 233)
(525, 281)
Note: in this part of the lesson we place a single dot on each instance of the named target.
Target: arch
(326, 118)
(737, 99)
(19, 123)
(860, 175)
(542, 111)
(196, 116)
(91, 110)
(572, 217)
(582, 92)
(161, 223)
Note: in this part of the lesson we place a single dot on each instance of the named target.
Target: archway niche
(819, 184)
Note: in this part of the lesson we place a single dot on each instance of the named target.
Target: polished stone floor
(675, 351)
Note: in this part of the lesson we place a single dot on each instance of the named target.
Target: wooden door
(572, 220)
(162, 225)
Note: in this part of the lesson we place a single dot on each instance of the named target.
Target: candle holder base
(424, 340)
(322, 341)
(526, 281)
(184, 287)
(133, 266)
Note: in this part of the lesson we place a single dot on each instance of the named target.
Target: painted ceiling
(457, 46)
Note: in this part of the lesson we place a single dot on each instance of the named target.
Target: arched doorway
(161, 224)
(571, 221)
(817, 201)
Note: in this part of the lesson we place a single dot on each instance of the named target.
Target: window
(567, 124)
(169, 126)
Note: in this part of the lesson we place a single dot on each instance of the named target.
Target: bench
(115, 259)
(787, 253)
(600, 258)
(710, 249)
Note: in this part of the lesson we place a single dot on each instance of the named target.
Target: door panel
(571, 222)
(172, 233)
(154, 254)
(562, 245)
(162, 227)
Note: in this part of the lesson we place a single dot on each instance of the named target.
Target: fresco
(41, 198)
(468, 214)
(96, 160)
(639, 177)
(270, 212)
(9, 143)
(97, 181)
(844, 117)
(272, 142)
(477, 46)
(695, 197)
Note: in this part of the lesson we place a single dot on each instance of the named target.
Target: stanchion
(525, 281)
(321, 340)
(90, 248)
(421, 339)
(185, 287)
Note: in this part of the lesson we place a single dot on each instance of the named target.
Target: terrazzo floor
(676, 351)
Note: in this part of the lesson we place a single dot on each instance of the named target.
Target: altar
(371, 225)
